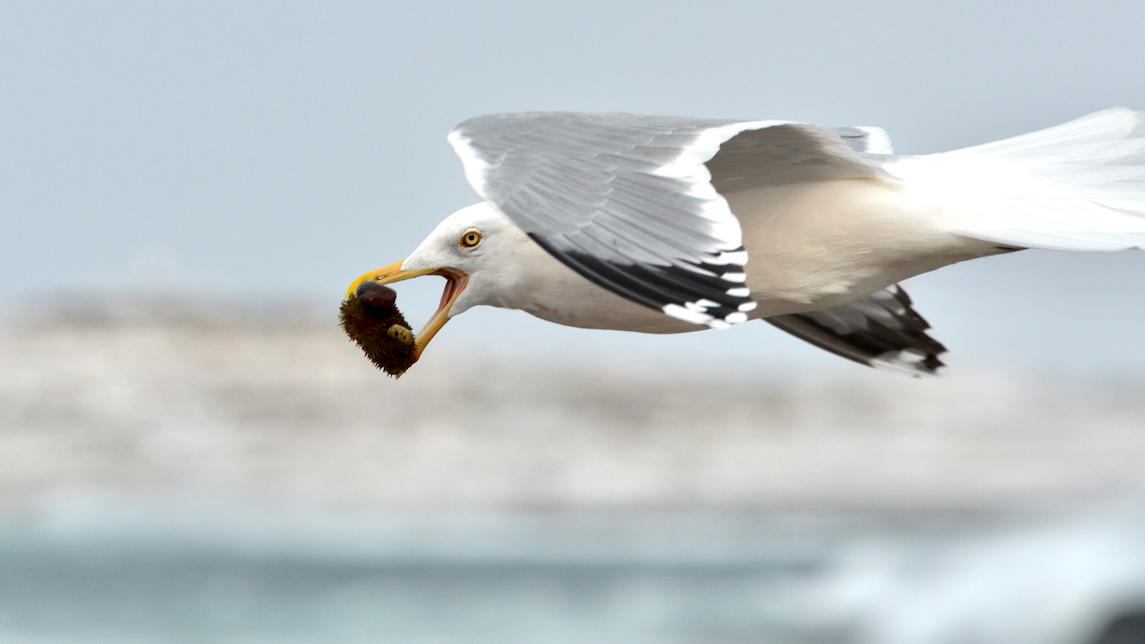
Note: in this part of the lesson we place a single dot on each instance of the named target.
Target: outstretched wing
(632, 203)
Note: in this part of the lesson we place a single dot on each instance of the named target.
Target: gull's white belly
(554, 292)
(818, 245)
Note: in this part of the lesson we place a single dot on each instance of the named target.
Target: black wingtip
(882, 331)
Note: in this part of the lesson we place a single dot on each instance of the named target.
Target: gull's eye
(470, 239)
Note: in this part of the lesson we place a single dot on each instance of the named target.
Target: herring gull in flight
(664, 224)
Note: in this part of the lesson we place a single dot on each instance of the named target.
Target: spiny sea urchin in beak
(372, 320)
(370, 306)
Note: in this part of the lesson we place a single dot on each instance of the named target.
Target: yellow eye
(470, 239)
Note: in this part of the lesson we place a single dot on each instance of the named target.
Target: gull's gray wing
(633, 203)
(797, 152)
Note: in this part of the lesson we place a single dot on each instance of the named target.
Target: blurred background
(191, 451)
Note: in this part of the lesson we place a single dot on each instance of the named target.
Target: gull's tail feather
(1076, 186)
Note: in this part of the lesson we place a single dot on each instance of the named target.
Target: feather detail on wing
(881, 330)
(633, 202)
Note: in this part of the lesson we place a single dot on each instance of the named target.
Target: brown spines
(372, 320)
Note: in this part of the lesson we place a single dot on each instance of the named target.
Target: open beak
(455, 282)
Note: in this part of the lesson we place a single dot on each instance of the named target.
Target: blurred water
(93, 570)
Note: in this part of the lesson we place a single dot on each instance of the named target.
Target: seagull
(661, 224)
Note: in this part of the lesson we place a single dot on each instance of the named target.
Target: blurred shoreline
(207, 397)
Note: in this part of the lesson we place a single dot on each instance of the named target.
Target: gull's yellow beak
(455, 284)
(391, 273)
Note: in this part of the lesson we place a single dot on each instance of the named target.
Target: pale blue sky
(284, 148)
